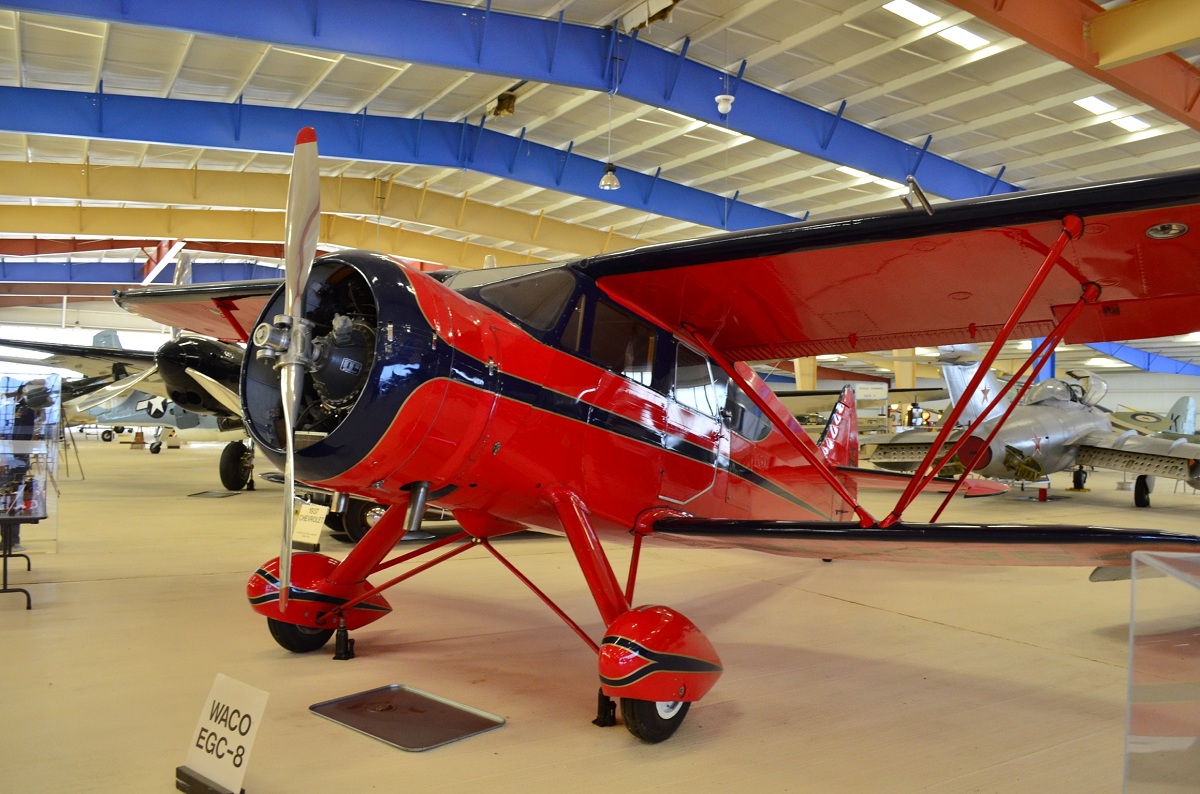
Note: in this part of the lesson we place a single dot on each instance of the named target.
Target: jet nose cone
(975, 453)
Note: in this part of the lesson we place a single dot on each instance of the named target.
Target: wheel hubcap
(668, 708)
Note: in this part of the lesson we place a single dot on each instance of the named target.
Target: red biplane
(604, 398)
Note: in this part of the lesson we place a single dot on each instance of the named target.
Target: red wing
(226, 311)
(901, 279)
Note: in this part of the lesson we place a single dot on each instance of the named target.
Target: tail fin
(839, 439)
(957, 370)
(1183, 416)
(107, 339)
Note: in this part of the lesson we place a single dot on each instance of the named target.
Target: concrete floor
(843, 677)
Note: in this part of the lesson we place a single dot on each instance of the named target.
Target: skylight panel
(1095, 105)
(913, 13)
(963, 38)
(1131, 124)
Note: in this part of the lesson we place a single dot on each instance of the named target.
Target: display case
(30, 428)
(1162, 742)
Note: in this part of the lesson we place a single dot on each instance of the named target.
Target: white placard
(220, 745)
(310, 518)
(865, 390)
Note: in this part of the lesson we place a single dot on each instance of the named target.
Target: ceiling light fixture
(506, 103)
(609, 180)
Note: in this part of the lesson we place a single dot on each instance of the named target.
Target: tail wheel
(652, 721)
(298, 639)
(235, 471)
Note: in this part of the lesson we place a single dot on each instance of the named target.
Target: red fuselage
(497, 391)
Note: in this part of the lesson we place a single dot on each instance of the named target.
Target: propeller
(288, 340)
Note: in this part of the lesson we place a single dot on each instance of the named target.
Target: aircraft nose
(975, 452)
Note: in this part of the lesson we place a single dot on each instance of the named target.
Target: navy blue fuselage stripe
(307, 596)
(470, 371)
(658, 662)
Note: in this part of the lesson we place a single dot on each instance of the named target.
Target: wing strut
(1091, 293)
(809, 451)
(1072, 229)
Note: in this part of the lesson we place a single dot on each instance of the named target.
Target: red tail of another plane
(839, 439)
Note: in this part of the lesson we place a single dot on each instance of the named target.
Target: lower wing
(963, 544)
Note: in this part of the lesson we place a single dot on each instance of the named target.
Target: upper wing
(901, 279)
(91, 361)
(225, 311)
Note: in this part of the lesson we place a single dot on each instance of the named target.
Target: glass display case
(30, 428)
(1162, 741)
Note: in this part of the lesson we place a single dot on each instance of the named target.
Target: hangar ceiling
(453, 131)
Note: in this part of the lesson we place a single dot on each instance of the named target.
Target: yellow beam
(806, 373)
(1143, 29)
(341, 195)
(242, 225)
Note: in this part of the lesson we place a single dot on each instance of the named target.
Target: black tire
(1078, 479)
(1142, 487)
(119, 428)
(650, 721)
(298, 639)
(356, 518)
(235, 471)
(155, 447)
(107, 435)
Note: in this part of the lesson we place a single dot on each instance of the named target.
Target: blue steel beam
(543, 50)
(125, 273)
(360, 137)
(1142, 359)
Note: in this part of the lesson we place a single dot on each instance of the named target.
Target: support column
(905, 368)
(806, 373)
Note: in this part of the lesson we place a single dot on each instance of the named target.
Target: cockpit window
(536, 300)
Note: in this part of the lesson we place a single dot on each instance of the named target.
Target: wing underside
(836, 287)
(225, 311)
(962, 544)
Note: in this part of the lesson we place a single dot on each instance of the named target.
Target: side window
(572, 336)
(623, 343)
(745, 417)
(695, 385)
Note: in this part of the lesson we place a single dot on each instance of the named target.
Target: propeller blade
(300, 246)
(226, 397)
(303, 219)
(114, 389)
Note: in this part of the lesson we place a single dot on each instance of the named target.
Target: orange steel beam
(1059, 28)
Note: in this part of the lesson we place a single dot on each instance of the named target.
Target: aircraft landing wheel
(652, 721)
(298, 639)
(107, 435)
(358, 517)
(1142, 487)
(234, 469)
(1078, 479)
(155, 447)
